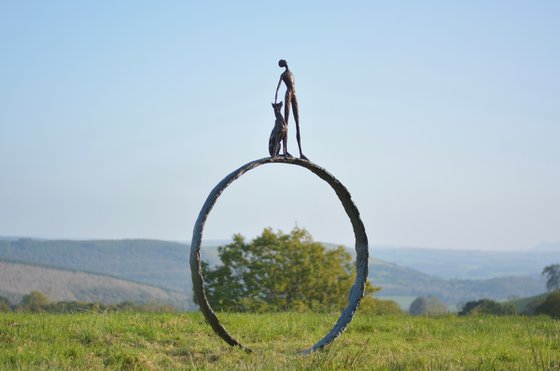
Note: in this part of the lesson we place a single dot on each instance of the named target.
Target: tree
(531, 307)
(35, 301)
(553, 274)
(551, 305)
(430, 305)
(5, 305)
(280, 272)
(487, 306)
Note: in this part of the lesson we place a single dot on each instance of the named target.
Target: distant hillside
(17, 280)
(159, 263)
(472, 264)
(400, 281)
(548, 247)
(165, 264)
(522, 303)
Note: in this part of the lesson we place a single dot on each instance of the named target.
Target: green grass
(158, 341)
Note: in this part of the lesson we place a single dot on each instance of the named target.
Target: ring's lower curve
(357, 290)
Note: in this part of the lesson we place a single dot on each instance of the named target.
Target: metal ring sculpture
(357, 290)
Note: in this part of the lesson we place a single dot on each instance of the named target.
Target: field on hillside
(155, 341)
(18, 280)
(165, 264)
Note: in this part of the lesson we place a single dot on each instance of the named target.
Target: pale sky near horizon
(441, 118)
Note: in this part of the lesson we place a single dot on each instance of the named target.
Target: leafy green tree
(553, 277)
(35, 301)
(280, 272)
(429, 305)
(532, 306)
(487, 306)
(5, 305)
(551, 305)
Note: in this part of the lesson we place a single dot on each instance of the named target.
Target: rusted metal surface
(362, 253)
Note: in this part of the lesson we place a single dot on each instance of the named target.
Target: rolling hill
(159, 263)
(17, 280)
(165, 264)
(398, 281)
(523, 305)
(472, 264)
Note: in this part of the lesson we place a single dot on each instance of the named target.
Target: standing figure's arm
(278, 87)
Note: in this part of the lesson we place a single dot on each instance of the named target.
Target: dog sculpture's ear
(280, 104)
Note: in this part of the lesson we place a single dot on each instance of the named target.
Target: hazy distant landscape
(403, 273)
(472, 264)
(18, 280)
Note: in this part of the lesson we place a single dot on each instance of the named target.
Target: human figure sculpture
(279, 133)
(290, 99)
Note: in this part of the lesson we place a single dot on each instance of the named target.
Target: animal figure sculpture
(279, 133)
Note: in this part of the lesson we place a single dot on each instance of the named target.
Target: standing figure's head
(283, 63)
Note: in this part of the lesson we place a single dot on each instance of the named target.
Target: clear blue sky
(441, 118)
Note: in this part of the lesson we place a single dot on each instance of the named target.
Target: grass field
(156, 341)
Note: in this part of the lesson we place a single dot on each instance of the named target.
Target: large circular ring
(357, 290)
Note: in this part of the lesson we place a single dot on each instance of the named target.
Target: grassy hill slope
(159, 263)
(17, 280)
(165, 264)
(522, 303)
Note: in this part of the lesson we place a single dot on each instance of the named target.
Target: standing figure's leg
(296, 118)
(287, 100)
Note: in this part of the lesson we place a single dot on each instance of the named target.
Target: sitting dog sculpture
(279, 133)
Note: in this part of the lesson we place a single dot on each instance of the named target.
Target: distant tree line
(547, 305)
(544, 305)
(37, 302)
(487, 306)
